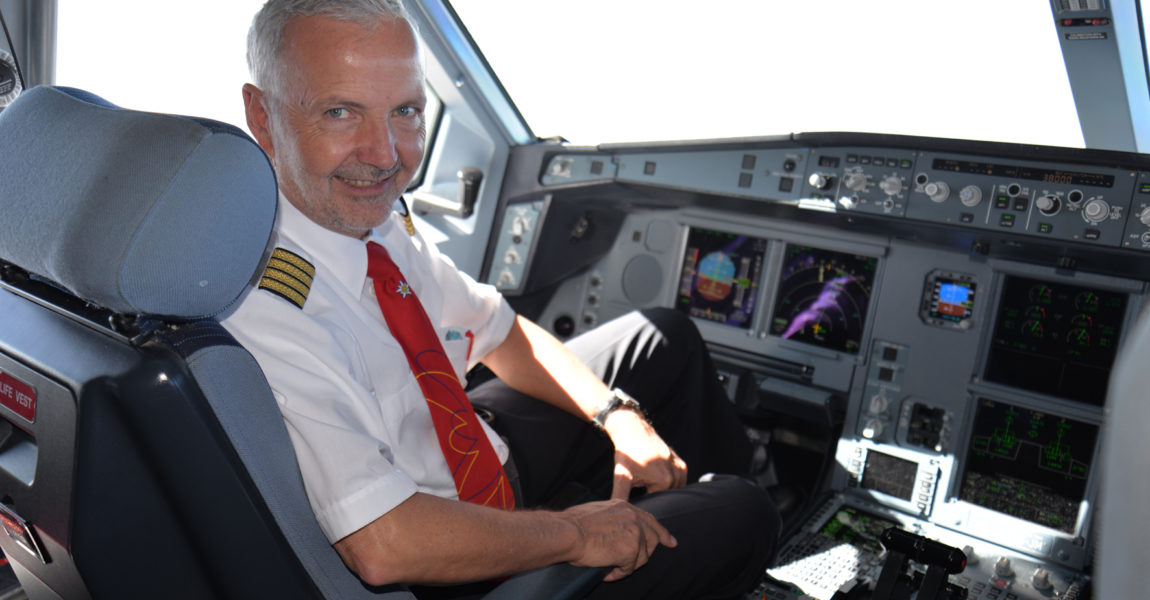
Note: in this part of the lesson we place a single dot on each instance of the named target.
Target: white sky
(633, 70)
(158, 55)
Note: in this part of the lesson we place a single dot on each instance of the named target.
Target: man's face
(346, 130)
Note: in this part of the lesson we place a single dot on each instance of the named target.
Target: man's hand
(614, 533)
(642, 458)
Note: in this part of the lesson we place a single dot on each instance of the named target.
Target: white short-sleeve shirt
(361, 428)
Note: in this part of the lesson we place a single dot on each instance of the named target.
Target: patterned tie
(479, 476)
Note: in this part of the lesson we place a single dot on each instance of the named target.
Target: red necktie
(479, 476)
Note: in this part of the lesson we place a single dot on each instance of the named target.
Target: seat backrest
(142, 454)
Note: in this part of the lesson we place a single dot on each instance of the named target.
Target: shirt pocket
(457, 342)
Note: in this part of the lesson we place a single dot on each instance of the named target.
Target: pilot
(366, 332)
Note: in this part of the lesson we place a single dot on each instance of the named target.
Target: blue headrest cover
(140, 213)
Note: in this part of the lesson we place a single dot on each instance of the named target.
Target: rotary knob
(1144, 216)
(855, 181)
(879, 403)
(970, 196)
(1041, 579)
(1048, 205)
(1095, 211)
(873, 429)
(937, 191)
(1003, 568)
(820, 181)
(891, 185)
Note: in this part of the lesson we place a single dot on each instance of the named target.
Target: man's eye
(336, 113)
(407, 111)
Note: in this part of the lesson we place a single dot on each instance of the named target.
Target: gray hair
(265, 38)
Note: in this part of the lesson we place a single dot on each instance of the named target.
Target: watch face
(10, 85)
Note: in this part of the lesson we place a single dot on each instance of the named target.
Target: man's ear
(255, 108)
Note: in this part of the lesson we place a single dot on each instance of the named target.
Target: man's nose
(377, 144)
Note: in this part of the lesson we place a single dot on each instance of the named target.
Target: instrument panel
(962, 303)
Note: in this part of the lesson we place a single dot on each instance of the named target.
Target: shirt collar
(342, 257)
(334, 254)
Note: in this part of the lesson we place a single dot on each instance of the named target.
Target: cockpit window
(172, 57)
(598, 71)
(601, 71)
(181, 58)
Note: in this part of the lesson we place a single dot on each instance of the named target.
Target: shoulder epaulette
(405, 212)
(289, 276)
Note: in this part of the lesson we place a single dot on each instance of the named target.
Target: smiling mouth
(361, 183)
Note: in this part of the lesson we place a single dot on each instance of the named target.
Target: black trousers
(727, 528)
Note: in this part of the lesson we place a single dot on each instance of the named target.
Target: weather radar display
(823, 297)
(720, 278)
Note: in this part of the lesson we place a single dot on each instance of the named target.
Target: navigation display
(823, 296)
(720, 280)
(1028, 464)
(1056, 339)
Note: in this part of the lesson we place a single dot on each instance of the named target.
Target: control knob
(820, 181)
(1095, 211)
(1048, 205)
(891, 185)
(873, 429)
(1144, 216)
(970, 196)
(879, 403)
(1041, 579)
(1003, 568)
(520, 225)
(937, 191)
(854, 181)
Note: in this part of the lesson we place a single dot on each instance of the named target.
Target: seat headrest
(136, 212)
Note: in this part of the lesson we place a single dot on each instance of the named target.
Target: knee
(752, 520)
(677, 329)
(755, 506)
(737, 531)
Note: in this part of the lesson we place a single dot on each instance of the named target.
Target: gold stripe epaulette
(406, 214)
(289, 276)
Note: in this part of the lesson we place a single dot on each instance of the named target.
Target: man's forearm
(532, 361)
(428, 539)
(432, 540)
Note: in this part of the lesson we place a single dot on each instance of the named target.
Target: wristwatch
(619, 399)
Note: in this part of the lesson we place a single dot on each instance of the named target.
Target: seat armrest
(561, 581)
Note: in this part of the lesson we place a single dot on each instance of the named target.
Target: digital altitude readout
(1021, 172)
